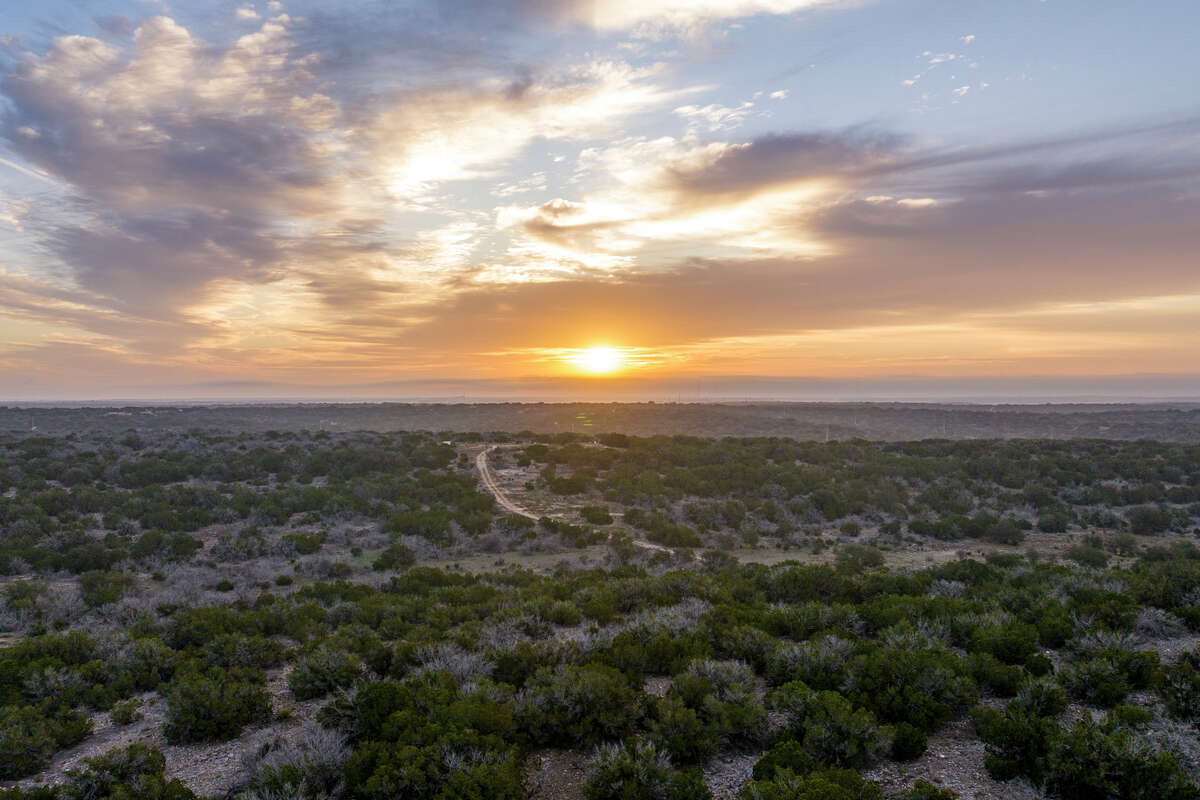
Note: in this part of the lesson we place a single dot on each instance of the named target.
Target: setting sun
(598, 360)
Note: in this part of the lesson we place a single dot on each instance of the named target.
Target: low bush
(1179, 686)
(924, 790)
(322, 671)
(581, 705)
(908, 742)
(213, 705)
(825, 784)
(829, 727)
(31, 735)
(639, 771)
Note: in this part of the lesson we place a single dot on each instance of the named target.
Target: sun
(598, 360)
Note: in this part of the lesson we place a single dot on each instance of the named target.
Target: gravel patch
(954, 760)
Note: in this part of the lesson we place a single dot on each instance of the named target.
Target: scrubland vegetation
(295, 595)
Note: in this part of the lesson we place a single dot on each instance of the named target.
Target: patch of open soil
(954, 760)
(555, 775)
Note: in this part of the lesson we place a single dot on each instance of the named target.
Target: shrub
(126, 713)
(1003, 679)
(922, 687)
(212, 706)
(924, 790)
(1089, 761)
(134, 771)
(304, 543)
(786, 754)
(1105, 679)
(596, 515)
(1147, 520)
(30, 735)
(638, 771)
(826, 784)
(1018, 741)
(854, 558)
(1012, 643)
(307, 767)
(395, 556)
(680, 731)
(239, 650)
(320, 672)
(99, 588)
(908, 742)
(1179, 686)
(581, 705)
(829, 727)
(819, 663)
(1053, 522)
(1042, 697)
(1088, 556)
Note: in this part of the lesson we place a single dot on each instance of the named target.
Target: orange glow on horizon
(598, 360)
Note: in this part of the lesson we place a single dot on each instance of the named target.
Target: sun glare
(598, 360)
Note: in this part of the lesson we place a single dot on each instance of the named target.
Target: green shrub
(320, 672)
(126, 713)
(1179, 686)
(1003, 679)
(595, 515)
(1018, 741)
(1012, 643)
(908, 742)
(1041, 697)
(854, 558)
(581, 705)
(826, 784)
(395, 556)
(922, 687)
(786, 754)
(1106, 678)
(638, 771)
(1090, 762)
(30, 736)
(99, 587)
(128, 773)
(215, 705)
(1147, 520)
(1054, 522)
(1088, 556)
(239, 650)
(924, 790)
(828, 726)
(680, 731)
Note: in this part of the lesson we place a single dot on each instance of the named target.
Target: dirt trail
(489, 483)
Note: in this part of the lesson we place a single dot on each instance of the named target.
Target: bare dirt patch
(555, 775)
(954, 760)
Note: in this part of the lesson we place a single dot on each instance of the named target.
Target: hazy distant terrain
(876, 421)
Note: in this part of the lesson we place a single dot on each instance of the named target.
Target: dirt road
(503, 500)
(489, 483)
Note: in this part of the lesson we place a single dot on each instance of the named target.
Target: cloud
(294, 202)
(715, 117)
(648, 19)
(428, 138)
(657, 16)
(195, 175)
(173, 123)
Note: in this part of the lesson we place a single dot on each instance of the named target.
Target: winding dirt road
(489, 483)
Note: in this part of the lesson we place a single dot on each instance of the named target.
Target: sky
(407, 198)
